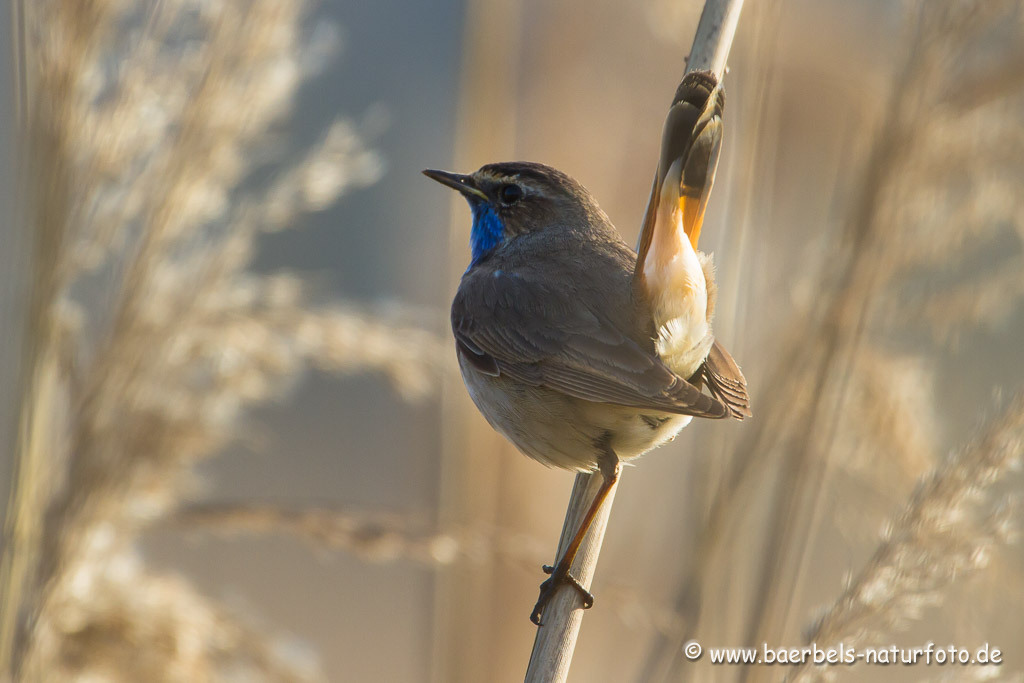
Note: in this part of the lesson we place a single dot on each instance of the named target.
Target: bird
(579, 350)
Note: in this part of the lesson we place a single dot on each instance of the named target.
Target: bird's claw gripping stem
(559, 576)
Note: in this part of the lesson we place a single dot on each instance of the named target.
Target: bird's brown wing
(725, 381)
(542, 335)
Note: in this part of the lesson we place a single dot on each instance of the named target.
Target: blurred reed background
(236, 442)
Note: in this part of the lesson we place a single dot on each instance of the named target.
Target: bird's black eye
(510, 194)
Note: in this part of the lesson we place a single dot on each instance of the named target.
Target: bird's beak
(465, 184)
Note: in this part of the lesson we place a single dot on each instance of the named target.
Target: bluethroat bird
(580, 351)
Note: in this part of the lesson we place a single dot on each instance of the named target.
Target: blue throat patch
(487, 231)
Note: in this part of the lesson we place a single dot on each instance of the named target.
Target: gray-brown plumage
(577, 350)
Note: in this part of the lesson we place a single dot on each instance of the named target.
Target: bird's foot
(559, 575)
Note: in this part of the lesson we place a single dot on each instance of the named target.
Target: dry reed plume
(148, 335)
(936, 191)
(936, 540)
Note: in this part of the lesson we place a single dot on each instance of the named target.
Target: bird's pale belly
(563, 431)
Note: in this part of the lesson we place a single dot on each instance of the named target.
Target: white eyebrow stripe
(527, 184)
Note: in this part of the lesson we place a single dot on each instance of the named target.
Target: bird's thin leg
(610, 467)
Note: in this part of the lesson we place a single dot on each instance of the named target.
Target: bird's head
(515, 198)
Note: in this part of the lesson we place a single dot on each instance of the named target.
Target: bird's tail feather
(691, 146)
